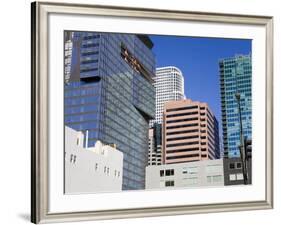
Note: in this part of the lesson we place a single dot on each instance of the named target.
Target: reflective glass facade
(110, 95)
(235, 77)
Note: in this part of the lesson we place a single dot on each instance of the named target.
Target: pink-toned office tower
(190, 132)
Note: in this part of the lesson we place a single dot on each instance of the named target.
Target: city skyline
(198, 59)
(117, 84)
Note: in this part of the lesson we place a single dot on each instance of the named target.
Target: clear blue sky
(198, 58)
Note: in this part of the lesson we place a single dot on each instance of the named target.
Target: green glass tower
(235, 78)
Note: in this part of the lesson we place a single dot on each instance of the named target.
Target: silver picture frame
(40, 106)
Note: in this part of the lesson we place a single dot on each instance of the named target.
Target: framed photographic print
(147, 112)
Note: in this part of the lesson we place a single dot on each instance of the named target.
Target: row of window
(185, 150)
(106, 170)
(183, 144)
(167, 172)
(182, 156)
(89, 45)
(182, 126)
(237, 165)
(234, 177)
(193, 180)
(90, 53)
(182, 108)
(91, 36)
(183, 138)
(88, 91)
(182, 114)
(89, 108)
(90, 69)
(169, 183)
(182, 132)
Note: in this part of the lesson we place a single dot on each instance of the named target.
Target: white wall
(92, 171)
(201, 170)
(15, 110)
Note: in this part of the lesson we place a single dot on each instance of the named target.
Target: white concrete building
(192, 174)
(90, 170)
(169, 86)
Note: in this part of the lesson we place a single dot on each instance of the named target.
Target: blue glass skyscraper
(235, 77)
(109, 95)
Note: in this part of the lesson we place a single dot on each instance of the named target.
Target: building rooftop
(146, 40)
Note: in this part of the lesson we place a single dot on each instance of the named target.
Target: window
(217, 178)
(231, 166)
(169, 183)
(238, 165)
(215, 168)
(232, 177)
(182, 144)
(72, 158)
(182, 108)
(169, 172)
(181, 114)
(182, 156)
(182, 150)
(190, 170)
(182, 132)
(161, 173)
(191, 181)
(182, 138)
(182, 120)
(239, 176)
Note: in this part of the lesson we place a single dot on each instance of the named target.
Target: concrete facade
(155, 145)
(190, 132)
(93, 169)
(193, 174)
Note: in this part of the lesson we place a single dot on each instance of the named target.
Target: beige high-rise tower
(190, 132)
